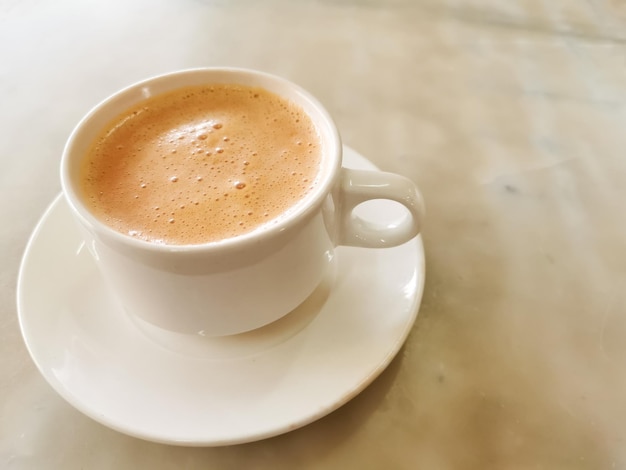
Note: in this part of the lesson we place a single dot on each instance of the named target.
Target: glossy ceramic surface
(194, 390)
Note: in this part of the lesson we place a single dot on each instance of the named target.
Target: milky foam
(202, 164)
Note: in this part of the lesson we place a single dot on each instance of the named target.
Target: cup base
(196, 345)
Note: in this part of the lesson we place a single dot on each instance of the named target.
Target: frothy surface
(201, 164)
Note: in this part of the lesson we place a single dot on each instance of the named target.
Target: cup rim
(301, 211)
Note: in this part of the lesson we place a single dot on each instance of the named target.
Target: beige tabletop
(509, 115)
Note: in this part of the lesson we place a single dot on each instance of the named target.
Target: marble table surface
(509, 115)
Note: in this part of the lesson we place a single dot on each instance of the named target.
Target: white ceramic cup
(241, 283)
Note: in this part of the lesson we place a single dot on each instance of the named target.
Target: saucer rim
(159, 437)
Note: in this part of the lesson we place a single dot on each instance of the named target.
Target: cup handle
(358, 186)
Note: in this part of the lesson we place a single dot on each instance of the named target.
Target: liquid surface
(201, 164)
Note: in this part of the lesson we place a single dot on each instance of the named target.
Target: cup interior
(103, 114)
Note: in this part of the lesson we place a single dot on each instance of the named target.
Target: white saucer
(184, 390)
